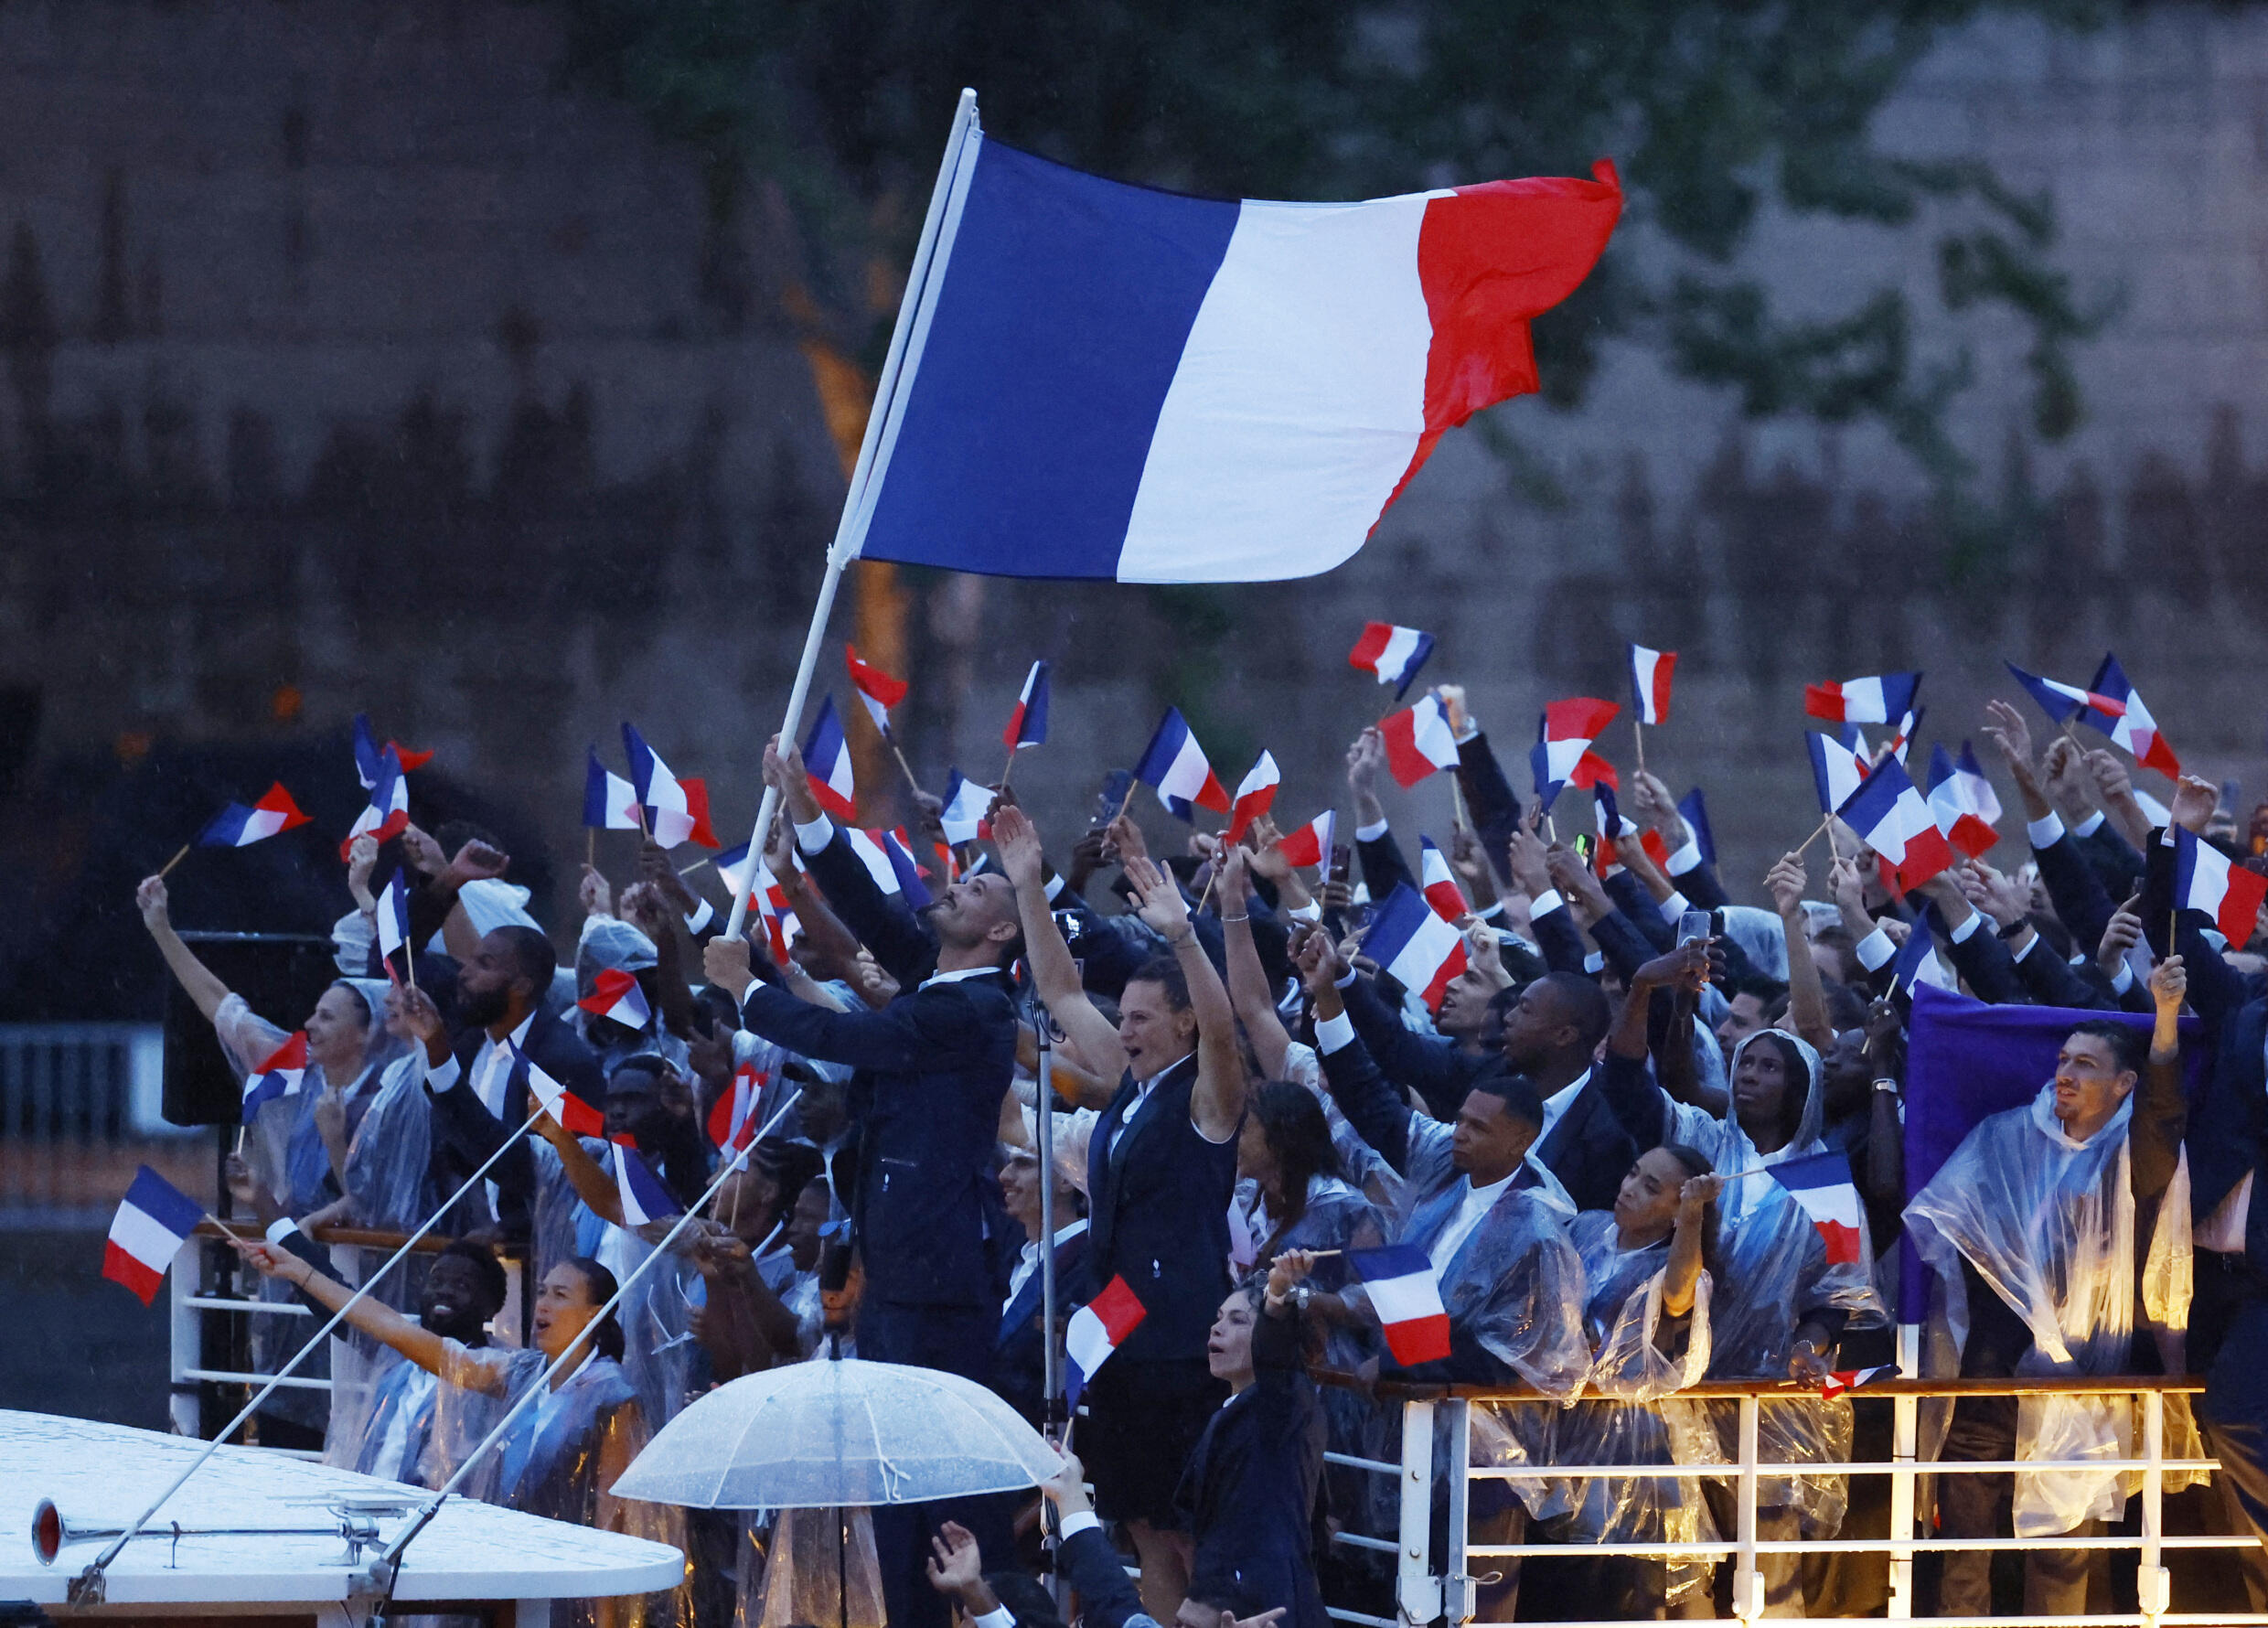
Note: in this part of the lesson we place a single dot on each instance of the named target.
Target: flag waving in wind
(2207, 879)
(1406, 1296)
(1418, 741)
(1563, 739)
(615, 996)
(277, 1075)
(826, 764)
(877, 690)
(1822, 1185)
(1440, 882)
(368, 757)
(1311, 844)
(1650, 682)
(1409, 940)
(643, 1196)
(153, 1220)
(1174, 766)
(610, 803)
(2132, 726)
(1255, 795)
(1392, 654)
(388, 815)
(1964, 801)
(732, 1124)
(237, 826)
(1027, 725)
(2062, 702)
(1891, 817)
(675, 810)
(1094, 1331)
(1882, 700)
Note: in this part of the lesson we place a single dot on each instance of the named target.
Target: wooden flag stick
(177, 859)
(688, 870)
(1460, 817)
(1815, 835)
(900, 755)
(590, 846)
(1637, 732)
(226, 1230)
(1007, 771)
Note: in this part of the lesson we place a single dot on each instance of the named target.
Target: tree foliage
(1715, 112)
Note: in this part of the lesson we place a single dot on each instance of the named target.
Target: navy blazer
(1588, 1149)
(1020, 1351)
(465, 1133)
(1434, 1066)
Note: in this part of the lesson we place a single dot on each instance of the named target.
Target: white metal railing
(1429, 1587)
(81, 1104)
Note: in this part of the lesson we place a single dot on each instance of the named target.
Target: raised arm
(1217, 1105)
(594, 1186)
(1054, 973)
(877, 920)
(1247, 980)
(2161, 1110)
(198, 980)
(1685, 1267)
(372, 1316)
(1807, 999)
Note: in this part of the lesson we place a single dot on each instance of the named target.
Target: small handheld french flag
(967, 804)
(1418, 741)
(1095, 1331)
(1838, 765)
(1439, 882)
(2132, 727)
(733, 1118)
(1822, 1185)
(388, 815)
(2062, 702)
(1255, 795)
(1407, 1298)
(674, 809)
(1650, 682)
(877, 690)
(574, 1115)
(1592, 770)
(1174, 766)
(1890, 817)
(1964, 800)
(906, 868)
(1844, 1379)
(393, 918)
(237, 826)
(610, 803)
(278, 1075)
(615, 995)
(153, 1220)
(1694, 810)
(368, 757)
(643, 1198)
(2207, 879)
(1562, 737)
(1311, 844)
(1393, 653)
(1877, 700)
(1027, 725)
(1912, 956)
(1414, 945)
(826, 764)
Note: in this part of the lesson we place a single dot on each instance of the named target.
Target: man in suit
(1020, 1356)
(930, 1069)
(476, 1078)
(1551, 1034)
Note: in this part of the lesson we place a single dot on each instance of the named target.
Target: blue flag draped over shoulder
(1967, 1060)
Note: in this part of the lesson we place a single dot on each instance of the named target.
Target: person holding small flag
(2053, 1228)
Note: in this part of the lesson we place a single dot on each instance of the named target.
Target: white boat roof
(104, 1475)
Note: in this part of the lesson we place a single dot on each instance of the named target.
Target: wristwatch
(1886, 1084)
(1300, 1297)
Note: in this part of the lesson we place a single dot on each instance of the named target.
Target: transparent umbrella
(820, 1434)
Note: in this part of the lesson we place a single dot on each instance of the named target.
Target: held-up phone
(1342, 861)
(1692, 924)
(1112, 797)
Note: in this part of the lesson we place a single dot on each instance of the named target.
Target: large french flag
(1095, 1331)
(1403, 1291)
(237, 826)
(277, 1075)
(1822, 1185)
(1880, 700)
(1650, 682)
(1174, 766)
(1964, 800)
(1891, 816)
(1418, 742)
(1107, 381)
(2132, 726)
(2206, 879)
(826, 764)
(1393, 653)
(1413, 944)
(1255, 795)
(153, 1220)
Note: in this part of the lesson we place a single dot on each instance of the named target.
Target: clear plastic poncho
(1630, 1423)
(2049, 1222)
(559, 1457)
(823, 1569)
(1771, 1268)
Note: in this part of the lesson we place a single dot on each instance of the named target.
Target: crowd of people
(1589, 1140)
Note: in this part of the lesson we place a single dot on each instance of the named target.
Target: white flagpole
(851, 531)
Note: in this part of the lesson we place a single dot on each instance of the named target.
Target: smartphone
(1112, 797)
(1692, 924)
(1342, 861)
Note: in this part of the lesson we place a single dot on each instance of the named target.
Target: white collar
(1565, 1094)
(957, 977)
(1064, 1235)
(517, 1037)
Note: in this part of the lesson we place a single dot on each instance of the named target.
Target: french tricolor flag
(368, 758)
(1403, 1291)
(1877, 700)
(1964, 800)
(153, 1220)
(826, 764)
(574, 1115)
(2062, 702)
(897, 848)
(1113, 381)
(388, 815)
(1563, 737)
(1095, 1331)
(1844, 1379)
(1902, 742)
(967, 808)
(1822, 1185)
(1694, 810)
(1027, 725)
(610, 803)
(237, 826)
(2132, 727)
(277, 1075)
(1255, 795)
(615, 995)
(732, 1125)
(1440, 882)
(1418, 741)
(1174, 766)
(1838, 763)
(1591, 771)
(1415, 945)
(675, 810)
(1311, 844)
(643, 1198)
(1650, 682)
(1891, 817)
(1392, 654)
(868, 846)
(2207, 879)
(393, 918)
(876, 689)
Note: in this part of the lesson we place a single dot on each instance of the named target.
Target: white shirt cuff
(1084, 1521)
(1000, 1616)
(2089, 826)
(2031, 944)
(2122, 980)
(1675, 907)
(1309, 913)
(1371, 833)
(704, 914)
(1875, 950)
(1492, 910)
(1546, 902)
(1969, 925)
(2045, 831)
(442, 1075)
(1345, 978)
(1595, 962)
(1053, 889)
(1685, 858)
(815, 837)
(1332, 1034)
(281, 1227)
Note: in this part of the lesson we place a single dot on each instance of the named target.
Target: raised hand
(1265, 857)
(2194, 802)
(1123, 839)
(361, 860)
(477, 861)
(595, 893)
(656, 871)
(150, 899)
(724, 962)
(1468, 859)
(1786, 880)
(1484, 954)
(423, 854)
(711, 1053)
(2169, 984)
(1017, 841)
(2001, 896)
(419, 1015)
(1160, 903)
(1531, 867)
(1685, 968)
(1234, 888)
(782, 769)
(1692, 1197)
